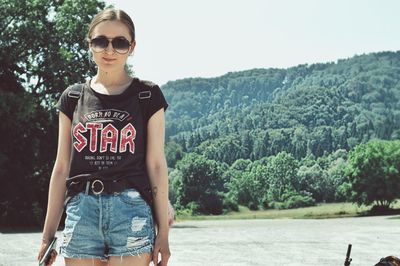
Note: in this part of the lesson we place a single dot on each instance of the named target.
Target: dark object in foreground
(47, 254)
(348, 259)
(389, 261)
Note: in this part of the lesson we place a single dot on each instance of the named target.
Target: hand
(161, 246)
(42, 250)
(171, 214)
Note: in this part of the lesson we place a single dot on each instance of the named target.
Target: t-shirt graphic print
(104, 137)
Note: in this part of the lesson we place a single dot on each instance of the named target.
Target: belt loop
(87, 187)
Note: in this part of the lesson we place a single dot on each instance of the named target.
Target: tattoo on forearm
(154, 191)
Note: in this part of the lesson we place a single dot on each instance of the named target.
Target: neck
(111, 78)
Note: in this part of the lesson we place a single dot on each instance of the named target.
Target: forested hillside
(308, 109)
(286, 138)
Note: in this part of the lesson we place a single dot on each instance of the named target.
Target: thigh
(131, 230)
(143, 259)
(85, 262)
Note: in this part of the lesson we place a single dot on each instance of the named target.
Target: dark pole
(348, 259)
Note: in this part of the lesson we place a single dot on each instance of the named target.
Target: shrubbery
(230, 205)
(299, 201)
(293, 200)
(282, 182)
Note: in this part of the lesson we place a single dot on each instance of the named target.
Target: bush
(211, 203)
(266, 204)
(293, 200)
(252, 206)
(298, 201)
(193, 208)
(277, 205)
(343, 192)
(184, 212)
(230, 205)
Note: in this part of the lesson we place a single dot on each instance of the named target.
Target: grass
(320, 211)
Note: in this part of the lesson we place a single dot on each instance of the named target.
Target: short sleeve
(157, 101)
(65, 104)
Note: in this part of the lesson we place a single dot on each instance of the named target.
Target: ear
(133, 45)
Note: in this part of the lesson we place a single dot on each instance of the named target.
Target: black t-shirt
(109, 133)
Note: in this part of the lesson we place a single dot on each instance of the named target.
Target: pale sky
(207, 38)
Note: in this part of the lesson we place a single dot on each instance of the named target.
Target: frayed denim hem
(68, 255)
(136, 252)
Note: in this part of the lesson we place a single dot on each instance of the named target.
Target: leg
(84, 262)
(131, 231)
(139, 260)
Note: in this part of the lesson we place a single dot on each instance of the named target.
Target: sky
(178, 39)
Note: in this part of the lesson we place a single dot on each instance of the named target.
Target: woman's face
(109, 58)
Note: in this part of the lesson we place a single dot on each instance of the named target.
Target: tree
(42, 50)
(313, 179)
(248, 183)
(173, 153)
(374, 172)
(282, 176)
(260, 147)
(200, 182)
(43, 46)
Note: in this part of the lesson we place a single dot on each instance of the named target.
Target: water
(254, 242)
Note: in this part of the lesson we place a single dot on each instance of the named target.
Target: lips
(108, 59)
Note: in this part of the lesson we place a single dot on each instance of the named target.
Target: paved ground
(254, 242)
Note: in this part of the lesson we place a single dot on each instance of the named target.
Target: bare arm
(157, 169)
(57, 187)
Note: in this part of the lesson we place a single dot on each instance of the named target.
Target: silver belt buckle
(93, 188)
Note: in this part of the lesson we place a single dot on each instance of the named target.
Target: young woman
(110, 161)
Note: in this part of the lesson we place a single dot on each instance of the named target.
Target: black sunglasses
(119, 44)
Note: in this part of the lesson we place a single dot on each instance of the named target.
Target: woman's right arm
(57, 187)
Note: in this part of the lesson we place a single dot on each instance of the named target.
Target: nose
(109, 48)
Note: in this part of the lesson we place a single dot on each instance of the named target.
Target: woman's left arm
(158, 173)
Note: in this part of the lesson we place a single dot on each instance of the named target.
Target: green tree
(313, 179)
(338, 182)
(260, 147)
(282, 176)
(374, 172)
(43, 46)
(42, 50)
(247, 183)
(173, 153)
(200, 182)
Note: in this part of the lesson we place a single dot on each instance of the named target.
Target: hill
(308, 109)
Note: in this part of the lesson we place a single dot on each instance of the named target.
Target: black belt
(98, 186)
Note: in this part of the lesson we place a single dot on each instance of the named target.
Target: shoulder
(147, 84)
(73, 91)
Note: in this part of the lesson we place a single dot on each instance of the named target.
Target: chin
(109, 66)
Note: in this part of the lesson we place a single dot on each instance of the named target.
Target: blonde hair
(111, 14)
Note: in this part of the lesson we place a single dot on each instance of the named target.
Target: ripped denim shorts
(100, 226)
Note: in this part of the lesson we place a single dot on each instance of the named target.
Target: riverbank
(320, 211)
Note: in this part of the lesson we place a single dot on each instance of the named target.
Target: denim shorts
(100, 226)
